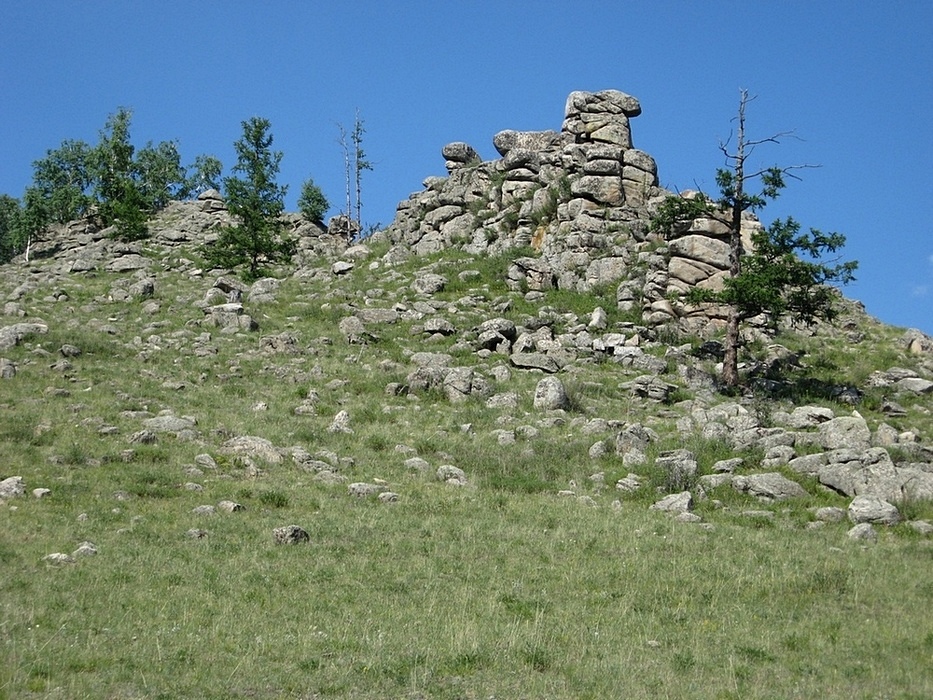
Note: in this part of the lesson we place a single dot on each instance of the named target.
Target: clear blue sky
(853, 80)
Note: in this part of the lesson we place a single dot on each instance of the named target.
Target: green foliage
(257, 201)
(777, 282)
(160, 174)
(65, 179)
(10, 214)
(204, 175)
(312, 203)
(783, 275)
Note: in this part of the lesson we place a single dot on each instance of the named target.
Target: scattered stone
(550, 395)
(921, 527)
(770, 486)
(41, 493)
(388, 497)
(196, 533)
(85, 549)
(863, 531)
(830, 514)
(251, 446)
(58, 559)
(451, 475)
(290, 534)
(362, 489)
(11, 487)
(203, 510)
(230, 507)
(674, 503)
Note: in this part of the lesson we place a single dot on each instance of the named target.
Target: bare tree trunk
(348, 234)
(730, 365)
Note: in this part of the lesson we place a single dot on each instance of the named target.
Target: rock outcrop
(582, 197)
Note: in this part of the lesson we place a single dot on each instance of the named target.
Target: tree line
(122, 186)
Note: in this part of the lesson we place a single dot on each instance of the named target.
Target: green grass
(497, 588)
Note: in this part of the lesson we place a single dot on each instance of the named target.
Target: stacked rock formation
(582, 198)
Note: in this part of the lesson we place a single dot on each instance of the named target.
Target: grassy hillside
(501, 587)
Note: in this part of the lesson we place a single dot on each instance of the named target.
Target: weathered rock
(12, 486)
(362, 489)
(850, 432)
(230, 507)
(871, 509)
(252, 446)
(550, 395)
(770, 486)
(679, 466)
(10, 336)
(290, 534)
(452, 475)
(863, 531)
(674, 503)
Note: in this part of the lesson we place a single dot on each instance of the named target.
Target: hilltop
(504, 375)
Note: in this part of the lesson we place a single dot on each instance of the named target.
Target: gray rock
(851, 432)
(534, 360)
(921, 527)
(770, 486)
(429, 283)
(169, 424)
(680, 467)
(450, 474)
(830, 514)
(251, 446)
(12, 486)
(11, 336)
(863, 531)
(290, 534)
(550, 395)
(362, 489)
(870, 509)
(674, 503)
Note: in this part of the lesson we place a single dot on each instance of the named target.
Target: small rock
(85, 549)
(675, 503)
(921, 527)
(830, 514)
(58, 558)
(290, 534)
(450, 474)
(203, 510)
(12, 486)
(196, 533)
(361, 489)
(688, 518)
(388, 497)
(230, 507)
(863, 531)
(41, 493)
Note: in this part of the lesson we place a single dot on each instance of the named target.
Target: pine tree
(257, 201)
(771, 279)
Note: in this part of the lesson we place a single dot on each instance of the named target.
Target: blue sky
(853, 80)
